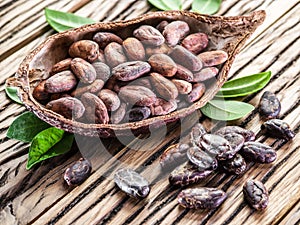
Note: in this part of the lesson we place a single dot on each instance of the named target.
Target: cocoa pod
(195, 43)
(110, 99)
(175, 31)
(149, 35)
(68, 107)
(60, 82)
(118, 115)
(165, 88)
(85, 49)
(94, 87)
(104, 38)
(137, 95)
(130, 70)
(196, 93)
(95, 109)
(185, 58)
(182, 86)
(83, 70)
(134, 49)
(114, 54)
(163, 107)
(162, 49)
(184, 73)
(61, 66)
(205, 74)
(163, 65)
(213, 58)
(102, 71)
(39, 92)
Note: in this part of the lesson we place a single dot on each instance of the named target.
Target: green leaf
(226, 110)
(61, 21)
(12, 93)
(244, 85)
(25, 127)
(173, 4)
(159, 4)
(206, 6)
(47, 144)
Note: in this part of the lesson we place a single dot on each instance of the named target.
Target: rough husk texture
(225, 33)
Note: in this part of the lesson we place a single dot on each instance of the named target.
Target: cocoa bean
(60, 82)
(165, 88)
(130, 70)
(183, 86)
(213, 58)
(39, 92)
(162, 49)
(195, 43)
(163, 65)
(137, 95)
(205, 74)
(163, 107)
(118, 115)
(83, 70)
(137, 114)
(110, 99)
(149, 35)
(175, 31)
(104, 38)
(161, 26)
(134, 49)
(94, 87)
(102, 71)
(184, 73)
(61, 66)
(196, 93)
(114, 54)
(85, 49)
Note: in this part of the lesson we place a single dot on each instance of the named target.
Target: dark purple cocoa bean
(130, 70)
(163, 65)
(235, 165)
(165, 88)
(196, 133)
(183, 86)
(213, 58)
(174, 155)
(195, 43)
(61, 82)
(104, 38)
(39, 92)
(69, 107)
(175, 31)
(247, 134)
(61, 66)
(78, 172)
(202, 160)
(83, 70)
(277, 128)
(114, 54)
(163, 107)
(110, 99)
(205, 74)
(269, 105)
(118, 115)
(102, 71)
(137, 114)
(235, 140)
(137, 95)
(256, 194)
(187, 174)
(85, 49)
(196, 93)
(185, 58)
(201, 198)
(258, 152)
(149, 35)
(184, 73)
(134, 49)
(95, 109)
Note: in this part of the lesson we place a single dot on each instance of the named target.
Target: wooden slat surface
(40, 196)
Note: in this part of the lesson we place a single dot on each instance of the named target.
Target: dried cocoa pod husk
(60, 82)
(85, 49)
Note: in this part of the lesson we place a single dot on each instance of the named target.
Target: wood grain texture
(40, 196)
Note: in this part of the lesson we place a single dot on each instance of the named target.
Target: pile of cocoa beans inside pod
(157, 70)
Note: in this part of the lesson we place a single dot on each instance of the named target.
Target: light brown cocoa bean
(213, 58)
(118, 115)
(149, 35)
(163, 107)
(137, 95)
(104, 38)
(184, 73)
(161, 26)
(61, 82)
(175, 31)
(95, 109)
(110, 83)
(101, 57)
(163, 65)
(110, 99)
(164, 87)
(183, 86)
(61, 66)
(196, 93)
(114, 54)
(39, 92)
(102, 71)
(143, 81)
(134, 49)
(205, 74)
(162, 49)
(69, 107)
(85, 49)
(94, 87)
(130, 70)
(185, 58)
(195, 43)
(83, 70)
